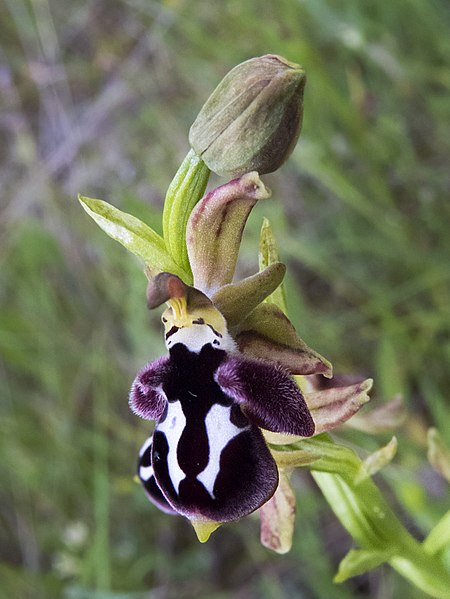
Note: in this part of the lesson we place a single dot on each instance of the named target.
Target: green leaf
(135, 235)
(439, 536)
(358, 561)
(377, 460)
(186, 189)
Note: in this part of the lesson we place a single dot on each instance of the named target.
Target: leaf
(439, 536)
(377, 460)
(132, 233)
(358, 561)
(185, 190)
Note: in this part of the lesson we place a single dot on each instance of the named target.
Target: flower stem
(366, 515)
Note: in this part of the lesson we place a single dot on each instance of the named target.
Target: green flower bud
(252, 120)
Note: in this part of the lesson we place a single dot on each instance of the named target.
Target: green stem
(365, 514)
(186, 189)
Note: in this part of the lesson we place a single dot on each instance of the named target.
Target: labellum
(207, 459)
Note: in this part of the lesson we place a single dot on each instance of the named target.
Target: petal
(215, 227)
(278, 517)
(269, 396)
(267, 333)
(236, 301)
(146, 476)
(332, 407)
(146, 396)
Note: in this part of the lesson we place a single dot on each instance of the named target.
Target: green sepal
(135, 235)
(185, 190)
(237, 300)
(359, 561)
(320, 453)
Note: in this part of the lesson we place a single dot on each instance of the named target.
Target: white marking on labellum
(145, 472)
(220, 431)
(172, 427)
(145, 446)
(197, 336)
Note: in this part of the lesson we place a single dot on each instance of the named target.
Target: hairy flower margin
(261, 355)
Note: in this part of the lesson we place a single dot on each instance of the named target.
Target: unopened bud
(252, 120)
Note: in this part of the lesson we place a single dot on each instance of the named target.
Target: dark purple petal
(146, 397)
(270, 398)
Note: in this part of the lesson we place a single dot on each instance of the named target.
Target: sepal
(214, 230)
(385, 418)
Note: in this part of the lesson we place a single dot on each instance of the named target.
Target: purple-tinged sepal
(267, 333)
(215, 227)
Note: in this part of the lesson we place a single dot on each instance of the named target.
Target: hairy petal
(215, 227)
(146, 396)
(270, 398)
(332, 407)
(267, 333)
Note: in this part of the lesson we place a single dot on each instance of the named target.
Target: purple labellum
(208, 460)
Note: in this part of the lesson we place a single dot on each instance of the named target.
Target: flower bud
(252, 120)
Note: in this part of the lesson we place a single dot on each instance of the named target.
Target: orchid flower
(228, 378)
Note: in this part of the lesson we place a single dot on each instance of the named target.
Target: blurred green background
(97, 97)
